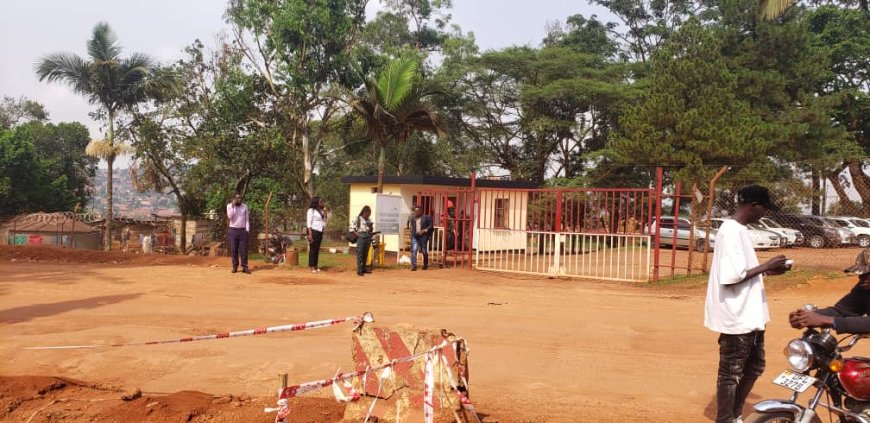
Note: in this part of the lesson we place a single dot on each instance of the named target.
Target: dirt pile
(54, 254)
(48, 399)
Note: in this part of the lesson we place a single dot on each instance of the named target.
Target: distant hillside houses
(128, 201)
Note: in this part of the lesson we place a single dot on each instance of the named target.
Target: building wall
(491, 235)
(362, 195)
(78, 240)
(194, 226)
(511, 238)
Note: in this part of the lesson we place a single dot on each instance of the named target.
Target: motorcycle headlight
(799, 354)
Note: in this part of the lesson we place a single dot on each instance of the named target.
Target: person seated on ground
(850, 314)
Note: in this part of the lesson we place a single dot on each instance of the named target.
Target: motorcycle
(844, 382)
(276, 248)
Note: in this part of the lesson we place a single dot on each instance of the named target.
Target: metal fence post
(711, 197)
(658, 219)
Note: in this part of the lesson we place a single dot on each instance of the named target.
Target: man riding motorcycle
(850, 314)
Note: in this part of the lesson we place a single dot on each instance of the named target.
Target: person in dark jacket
(850, 314)
(421, 229)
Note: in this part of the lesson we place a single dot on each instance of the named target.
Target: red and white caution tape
(431, 356)
(463, 399)
(366, 317)
(428, 389)
(304, 388)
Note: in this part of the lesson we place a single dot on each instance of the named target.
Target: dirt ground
(541, 349)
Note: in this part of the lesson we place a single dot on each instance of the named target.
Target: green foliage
(691, 117)
(14, 111)
(394, 106)
(43, 168)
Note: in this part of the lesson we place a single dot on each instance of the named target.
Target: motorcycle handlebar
(855, 339)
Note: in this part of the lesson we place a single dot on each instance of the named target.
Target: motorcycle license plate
(795, 381)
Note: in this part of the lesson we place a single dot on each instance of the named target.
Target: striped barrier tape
(285, 394)
(366, 317)
(428, 389)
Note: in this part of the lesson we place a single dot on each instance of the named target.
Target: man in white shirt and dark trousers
(239, 220)
(736, 305)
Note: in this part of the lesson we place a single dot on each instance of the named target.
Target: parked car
(817, 233)
(782, 239)
(860, 227)
(762, 239)
(683, 234)
(847, 237)
(793, 236)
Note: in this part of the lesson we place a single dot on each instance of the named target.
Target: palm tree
(772, 9)
(395, 106)
(106, 79)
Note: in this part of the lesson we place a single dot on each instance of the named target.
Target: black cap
(756, 194)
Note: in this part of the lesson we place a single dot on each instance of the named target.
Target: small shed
(498, 200)
(58, 229)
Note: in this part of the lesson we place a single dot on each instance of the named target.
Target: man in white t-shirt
(736, 305)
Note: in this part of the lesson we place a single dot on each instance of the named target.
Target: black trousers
(741, 362)
(314, 248)
(238, 240)
(363, 243)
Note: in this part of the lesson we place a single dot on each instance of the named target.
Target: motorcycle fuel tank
(855, 378)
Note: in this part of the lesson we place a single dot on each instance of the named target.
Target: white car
(860, 227)
(762, 239)
(848, 236)
(683, 234)
(792, 236)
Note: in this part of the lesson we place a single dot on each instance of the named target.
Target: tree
(395, 106)
(161, 135)
(844, 34)
(302, 50)
(691, 119)
(111, 82)
(43, 168)
(13, 111)
(61, 151)
(647, 24)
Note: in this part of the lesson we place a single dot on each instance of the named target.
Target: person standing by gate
(239, 226)
(736, 305)
(364, 229)
(316, 224)
(421, 229)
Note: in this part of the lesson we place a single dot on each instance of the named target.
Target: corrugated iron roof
(48, 222)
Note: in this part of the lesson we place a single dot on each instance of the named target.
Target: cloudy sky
(162, 28)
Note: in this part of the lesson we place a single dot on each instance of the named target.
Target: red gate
(575, 232)
(452, 212)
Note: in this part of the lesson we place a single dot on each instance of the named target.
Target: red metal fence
(565, 232)
(601, 233)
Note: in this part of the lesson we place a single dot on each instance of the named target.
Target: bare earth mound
(47, 399)
(44, 253)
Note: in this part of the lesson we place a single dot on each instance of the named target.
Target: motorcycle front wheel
(777, 417)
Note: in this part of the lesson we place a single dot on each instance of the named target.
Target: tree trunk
(183, 230)
(861, 183)
(307, 166)
(109, 215)
(842, 196)
(381, 162)
(814, 203)
(110, 162)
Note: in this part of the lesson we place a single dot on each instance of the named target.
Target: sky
(162, 28)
